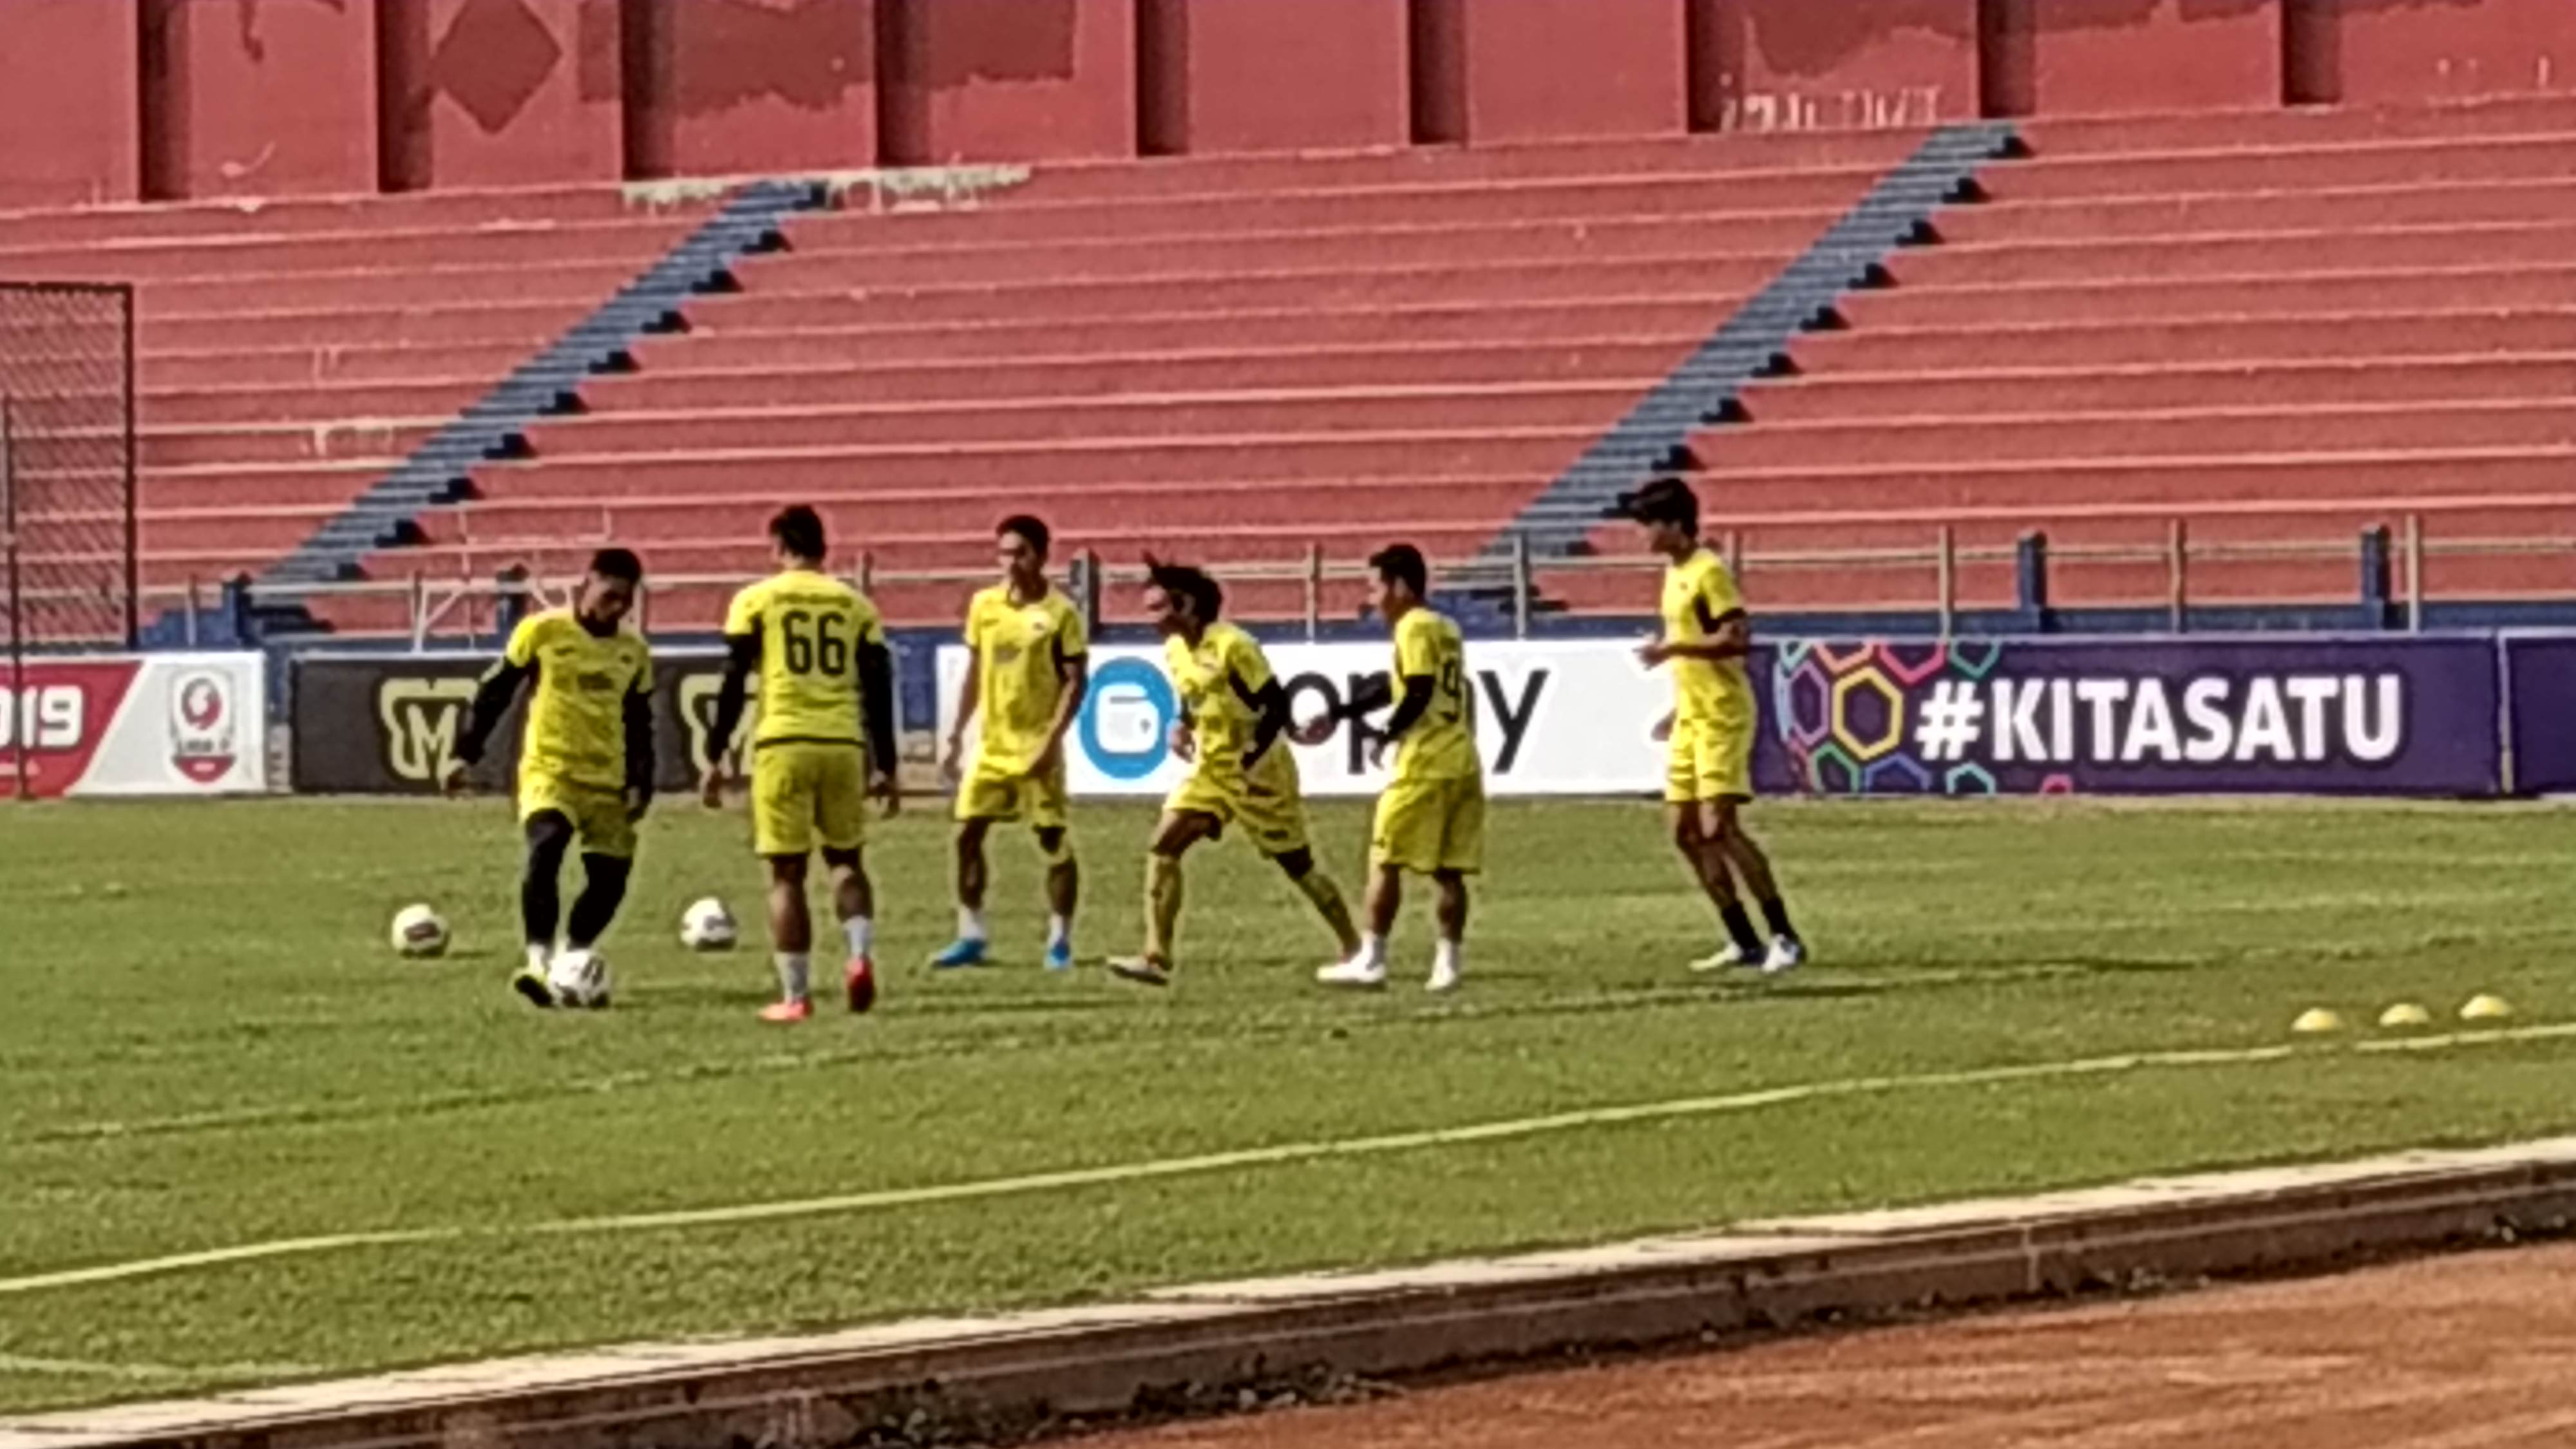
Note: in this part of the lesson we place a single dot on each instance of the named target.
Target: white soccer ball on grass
(420, 933)
(708, 926)
(580, 979)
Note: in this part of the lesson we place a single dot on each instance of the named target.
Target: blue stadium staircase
(1753, 343)
(440, 470)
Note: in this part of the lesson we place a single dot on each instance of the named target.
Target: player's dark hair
(799, 530)
(618, 563)
(1401, 563)
(1032, 531)
(1184, 582)
(1664, 500)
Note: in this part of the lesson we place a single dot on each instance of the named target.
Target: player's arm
(1269, 706)
(640, 763)
(876, 706)
(969, 690)
(1073, 678)
(499, 689)
(1412, 705)
(1722, 636)
(742, 658)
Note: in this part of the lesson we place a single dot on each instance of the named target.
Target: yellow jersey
(1217, 683)
(576, 732)
(811, 628)
(1699, 597)
(1021, 651)
(1442, 744)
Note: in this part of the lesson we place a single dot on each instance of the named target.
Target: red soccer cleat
(801, 1009)
(861, 979)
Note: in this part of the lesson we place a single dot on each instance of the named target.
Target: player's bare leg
(854, 902)
(1063, 892)
(1323, 894)
(1452, 916)
(969, 947)
(1174, 834)
(791, 940)
(1698, 833)
(1753, 866)
(1367, 966)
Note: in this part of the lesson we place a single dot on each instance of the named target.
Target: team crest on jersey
(204, 734)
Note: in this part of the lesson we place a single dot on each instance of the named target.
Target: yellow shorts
(808, 795)
(1431, 825)
(598, 815)
(1708, 762)
(1269, 803)
(1010, 795)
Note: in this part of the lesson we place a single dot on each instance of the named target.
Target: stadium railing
(2391, 568)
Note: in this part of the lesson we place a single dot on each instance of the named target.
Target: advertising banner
(1876, 717)
(2542, 668)
(164, 724)
(2366, 716)
(388, 724)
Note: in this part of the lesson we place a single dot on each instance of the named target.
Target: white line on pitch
(1279, 1155)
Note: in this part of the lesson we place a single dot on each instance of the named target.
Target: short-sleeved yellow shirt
(576, 732)
(1442, 744)
(1699, 597)
(811, 628)
(1020, 653)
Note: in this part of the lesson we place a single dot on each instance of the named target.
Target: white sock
(1059, 930)
(861, 933)
(1372, 950)
(795, 974)
(1444, 957)
(970, 925)
(537, 957)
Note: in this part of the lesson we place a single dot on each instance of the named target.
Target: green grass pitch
(207, 1044)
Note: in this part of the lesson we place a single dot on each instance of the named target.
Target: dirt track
(2444, 1353)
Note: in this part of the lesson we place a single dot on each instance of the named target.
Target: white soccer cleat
(1788, 953)
(1354, 972)
(1444, 979)
(1728, 957)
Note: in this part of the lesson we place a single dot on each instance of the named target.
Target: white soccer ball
(580, 979)
(708, 926)
(420, 933)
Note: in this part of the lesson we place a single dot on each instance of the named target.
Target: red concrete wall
(2400, 52)
(1544, 69)
(268, 99)
(1006, 80)
(725, 87)
(1272, 75)
(67, 103)
(501, 92)
(1794, 65)
(2092, 57)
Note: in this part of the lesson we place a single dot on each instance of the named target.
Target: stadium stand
(2277, 329)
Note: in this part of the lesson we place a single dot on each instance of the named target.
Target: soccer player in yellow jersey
(1233, 712)
(819, 652)
(585, 760)
(1708, 775)
(1431, 817)
(1027, 667)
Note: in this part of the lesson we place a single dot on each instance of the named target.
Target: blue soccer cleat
(962, 952)
(1059, 955)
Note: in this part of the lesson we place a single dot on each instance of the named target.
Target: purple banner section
(2351, 716)
(2543, 670)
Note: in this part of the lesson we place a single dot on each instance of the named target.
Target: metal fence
(67, 462)
(2388, 581)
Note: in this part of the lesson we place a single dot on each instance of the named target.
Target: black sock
(1776, 912)
(601, 893)
(1739, 926)
(549, 836)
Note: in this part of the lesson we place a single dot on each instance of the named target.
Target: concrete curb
(1210, 1345)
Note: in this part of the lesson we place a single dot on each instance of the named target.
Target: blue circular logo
(1131, 702)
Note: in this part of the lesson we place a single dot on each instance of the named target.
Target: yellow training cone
(2405, 1013)
(2486, 1008)
(2316, 1020)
